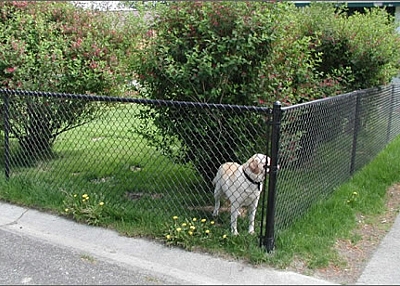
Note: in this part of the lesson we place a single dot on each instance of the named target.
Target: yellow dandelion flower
(178, 229)
(355, 193)
(190, 232)
(84, 196)
(83, 200)
(184, 224)
(212, 222)
(174, 217)
(224, 236)
(75, 195)
(203, 220)
(101, 203)
(168, 237)
(192, 227)
(66, 210)
(194, 219)
(207, 231)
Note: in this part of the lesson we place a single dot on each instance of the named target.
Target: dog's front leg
(252, 216)
(234, 216)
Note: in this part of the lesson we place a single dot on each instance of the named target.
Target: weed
(84, 208)
(187, 233)
(352, 199)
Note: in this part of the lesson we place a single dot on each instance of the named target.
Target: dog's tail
(214, 181)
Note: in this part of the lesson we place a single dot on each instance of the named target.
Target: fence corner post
(269, 238)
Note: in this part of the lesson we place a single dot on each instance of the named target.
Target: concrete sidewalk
(46, 242)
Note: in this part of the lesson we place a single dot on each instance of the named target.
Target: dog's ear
(254, 166)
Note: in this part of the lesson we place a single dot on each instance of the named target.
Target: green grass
(142, 190)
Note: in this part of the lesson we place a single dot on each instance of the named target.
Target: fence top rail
(338, 97)
(156, 102)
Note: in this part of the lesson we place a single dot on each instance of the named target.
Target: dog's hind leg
(217, 198)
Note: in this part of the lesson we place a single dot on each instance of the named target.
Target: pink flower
(93, 65)
(10, 70)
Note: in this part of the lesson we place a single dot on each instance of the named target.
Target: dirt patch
(355, 254)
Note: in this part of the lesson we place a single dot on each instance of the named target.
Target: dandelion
(174, 217)
(355, 193)
(75, 195)
(184, 224)
(190, 232)
(168, 237)
(192, 227)
(178, 229)
(66, 210)
(101, 203)
(212, 222)
(207, 231)
(194, 219)
(84, 196)
(224, 236)
(203, 220)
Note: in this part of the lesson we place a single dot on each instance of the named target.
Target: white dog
(242, 184)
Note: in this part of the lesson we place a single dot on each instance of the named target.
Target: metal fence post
(388, 137)
(6, 108)
(269, 238)
(355, 132)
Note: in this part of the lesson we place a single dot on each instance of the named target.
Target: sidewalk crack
(15, 221)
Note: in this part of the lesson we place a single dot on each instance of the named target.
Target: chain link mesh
(322, 143)
(155, 158)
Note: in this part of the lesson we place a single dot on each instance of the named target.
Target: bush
(206, 52)
(253, 53)
(357, 54)
(56, 47)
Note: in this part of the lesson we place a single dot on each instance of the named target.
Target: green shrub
(253, 53)
(206, 52)
(55, 47)
(361, 50)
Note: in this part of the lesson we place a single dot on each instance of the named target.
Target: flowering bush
(252, 53)
(189, 232)
(56, 47)
(84, 208)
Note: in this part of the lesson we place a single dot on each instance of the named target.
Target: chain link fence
(322, 143)
(158, 158)
(155, 158)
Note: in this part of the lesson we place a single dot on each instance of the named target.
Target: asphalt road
(27, 260)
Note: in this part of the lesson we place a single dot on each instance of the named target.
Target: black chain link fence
(322, 143)
(158, 158)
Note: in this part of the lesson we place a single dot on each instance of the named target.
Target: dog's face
(257, 165)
